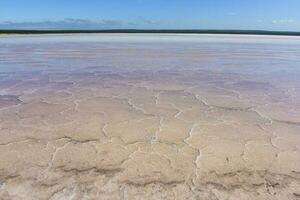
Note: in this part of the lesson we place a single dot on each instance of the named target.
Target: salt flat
(145, 116)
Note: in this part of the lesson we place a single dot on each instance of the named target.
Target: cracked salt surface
(149, 117)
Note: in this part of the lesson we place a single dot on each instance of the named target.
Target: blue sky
(175, 14)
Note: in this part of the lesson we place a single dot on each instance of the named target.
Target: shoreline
(141, 31)
(152, 38)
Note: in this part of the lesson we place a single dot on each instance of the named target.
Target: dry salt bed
(143, 116)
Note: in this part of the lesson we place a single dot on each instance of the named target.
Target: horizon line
(125, 30)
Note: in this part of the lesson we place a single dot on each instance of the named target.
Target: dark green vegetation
(245, 32)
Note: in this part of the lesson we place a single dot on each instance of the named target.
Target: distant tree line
(181, 31)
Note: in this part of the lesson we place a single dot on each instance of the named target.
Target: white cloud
(68, 23)
(75, 23)
(283, 21)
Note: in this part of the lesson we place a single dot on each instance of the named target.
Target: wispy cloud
(232, 13)
(283, 21)
(150, 22)
(68, 23)
(74, 23)
(141, 22)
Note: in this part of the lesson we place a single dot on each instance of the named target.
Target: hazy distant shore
(190, 31)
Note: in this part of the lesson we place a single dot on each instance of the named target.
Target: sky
(282, 15)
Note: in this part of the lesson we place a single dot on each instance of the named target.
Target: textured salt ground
(148, 117)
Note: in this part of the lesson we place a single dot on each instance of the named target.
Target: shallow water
(145, 116)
